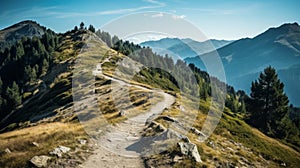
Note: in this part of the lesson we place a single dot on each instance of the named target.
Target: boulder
(189, 149)
(60, 150)
(40, 161)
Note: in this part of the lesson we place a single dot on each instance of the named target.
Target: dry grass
(48, 136)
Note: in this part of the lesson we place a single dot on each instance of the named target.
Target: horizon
(152, 38)
(230, 20)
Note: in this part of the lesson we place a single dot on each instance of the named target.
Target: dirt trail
(121, 146)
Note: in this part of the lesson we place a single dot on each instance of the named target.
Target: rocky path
(121, 146)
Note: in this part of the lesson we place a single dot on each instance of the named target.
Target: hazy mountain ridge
(184, 48)
(243, 59)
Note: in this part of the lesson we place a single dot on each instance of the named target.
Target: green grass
(150, 76)
(269, 148)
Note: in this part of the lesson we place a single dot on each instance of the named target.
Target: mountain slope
(15, 32)
(243, 59)
(183, 48)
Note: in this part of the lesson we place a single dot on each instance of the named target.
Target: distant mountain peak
(27, 28)
(22, 23)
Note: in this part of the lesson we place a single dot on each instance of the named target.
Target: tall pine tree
(269, 106)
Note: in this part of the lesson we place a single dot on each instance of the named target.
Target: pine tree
(81, 26)
(269, 106)
(114, 40)
(13, 96)
(1, 84)
(92, 29)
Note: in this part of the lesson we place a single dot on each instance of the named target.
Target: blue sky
(231, 19)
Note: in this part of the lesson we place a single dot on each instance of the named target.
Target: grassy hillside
(233, 143)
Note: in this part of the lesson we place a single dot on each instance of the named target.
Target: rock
(35, 144)
(40, 161)
(82, 141)
(60, 150)
(169, 134)
(211, 144)
(186, 139)
(158, 127)
(190, 150)
(177, 158)
(7, 150)
(121, 113)
(197, 132)
(283, 164)
(182, 108)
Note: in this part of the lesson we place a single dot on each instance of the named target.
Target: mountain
(183, 48)
(15, 32)
(245, 58)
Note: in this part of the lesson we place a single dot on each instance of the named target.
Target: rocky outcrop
(189, 149)
(40, 161)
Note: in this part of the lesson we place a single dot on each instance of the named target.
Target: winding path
(121, 146)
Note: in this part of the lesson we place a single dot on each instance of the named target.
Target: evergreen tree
(81, 26)
(1, 83)
(13, 96)
(75, 28)
(44, 67)
(92, 29)
(114, 40)
(269, 105)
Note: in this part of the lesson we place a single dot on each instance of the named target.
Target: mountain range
(245, 58)
(182, 48)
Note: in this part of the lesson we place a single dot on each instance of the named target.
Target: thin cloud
(153, 4)
(157, 15)
(55, 11)
(234, 11)
(176, 17)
